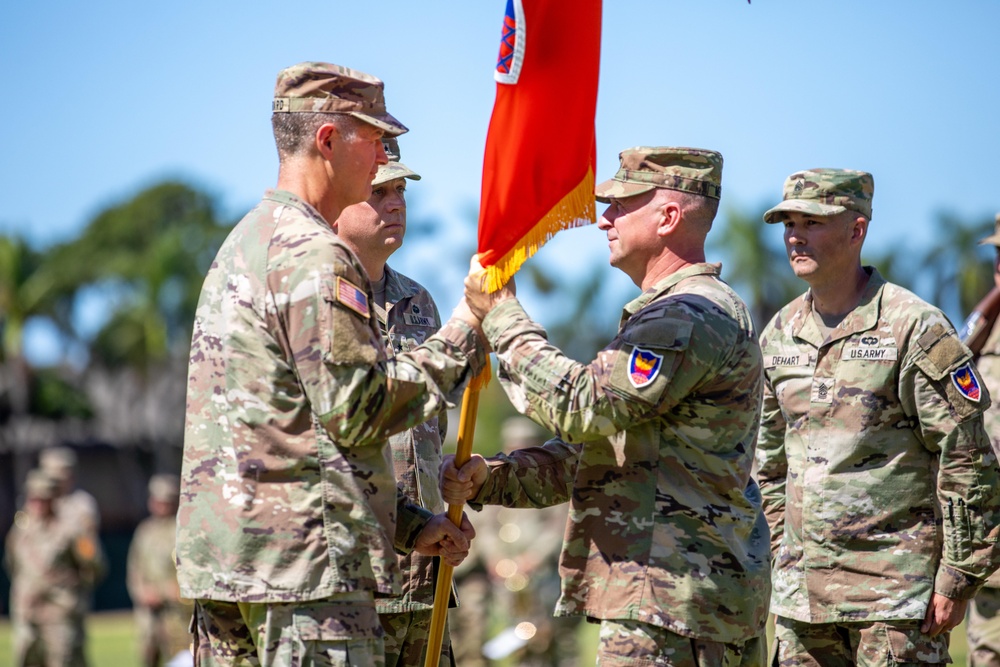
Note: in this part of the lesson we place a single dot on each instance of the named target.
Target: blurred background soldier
(74, 504)
(511, 579)
(982, 335)
(161, 616)
(53, 565)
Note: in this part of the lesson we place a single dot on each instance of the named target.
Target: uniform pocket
(909, 645)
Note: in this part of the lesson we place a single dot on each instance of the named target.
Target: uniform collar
(667, 284)
(863, 318)
(286, 198)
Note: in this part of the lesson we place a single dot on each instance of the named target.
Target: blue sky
(109, 96)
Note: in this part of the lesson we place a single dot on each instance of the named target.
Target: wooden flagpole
(463, 451)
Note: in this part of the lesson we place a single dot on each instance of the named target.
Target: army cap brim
(994, 238)
(616, 189)
(392, 171)
(801, 206)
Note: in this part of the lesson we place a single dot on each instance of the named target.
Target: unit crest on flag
(511, 44)
(966, 382)
(643, 367)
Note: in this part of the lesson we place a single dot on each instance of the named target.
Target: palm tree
(755, 264)
(960, 272)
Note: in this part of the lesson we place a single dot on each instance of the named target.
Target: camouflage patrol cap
(643, 168)
(394, 168)
(57, 460)
(825, 192)
(324, 88)
(40, 485)
(994, 238)
(164, 487)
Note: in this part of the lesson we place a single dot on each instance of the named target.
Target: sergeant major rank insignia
(966, 382)
(643, 367)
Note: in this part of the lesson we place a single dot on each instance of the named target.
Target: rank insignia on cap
(643, 366)
(352, 296)
(966, 382)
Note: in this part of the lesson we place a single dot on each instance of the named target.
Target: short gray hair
(294, 132)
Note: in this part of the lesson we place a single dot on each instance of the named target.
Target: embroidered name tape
(870, 352)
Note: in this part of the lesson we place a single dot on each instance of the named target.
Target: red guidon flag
(538, 171)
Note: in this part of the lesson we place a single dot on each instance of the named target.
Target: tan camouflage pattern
(825, 192)
(630, 643)
(410, 318)
(874, 644)
(316, 87)
(665, 525)
(323, 633)
(407, 635)
(983, 621)
(161, 616)
(643, 168)
(879, 482)
(394, 169)
(287, 489)
(53, 567)
(982, 628)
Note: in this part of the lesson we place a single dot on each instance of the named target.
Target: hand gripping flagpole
(463, 451)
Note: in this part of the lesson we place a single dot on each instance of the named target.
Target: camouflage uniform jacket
(409, 319)
(287, 490)
(879, 482)
(53, 566)
(665, 524)
(988, 366)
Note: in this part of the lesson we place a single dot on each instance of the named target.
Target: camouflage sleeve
(580, 402)
(134, 580)
(772, 465)
(358, 396)
(530, 477)
(941, 389)
(410, 520)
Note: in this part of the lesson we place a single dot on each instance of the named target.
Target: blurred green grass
(111, 641)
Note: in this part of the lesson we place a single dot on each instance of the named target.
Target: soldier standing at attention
(407, 316)
(289, 512)
(984, 611)
(666, 543)
(162, 617)
(53, 566)
(879, 482)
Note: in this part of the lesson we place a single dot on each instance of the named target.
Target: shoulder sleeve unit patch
(643, 367)
(964, 379)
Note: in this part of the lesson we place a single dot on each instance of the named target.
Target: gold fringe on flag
(576, 209)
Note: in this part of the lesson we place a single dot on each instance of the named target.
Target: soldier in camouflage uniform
(407, 316)
(161, 616)
(666, 543)
(53, 566)
(74, 504)
(983, 617)
(289, 512)
(879, 482)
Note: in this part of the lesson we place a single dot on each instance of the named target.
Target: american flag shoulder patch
(352, 296)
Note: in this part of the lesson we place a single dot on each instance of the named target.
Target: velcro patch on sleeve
(352, 296)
